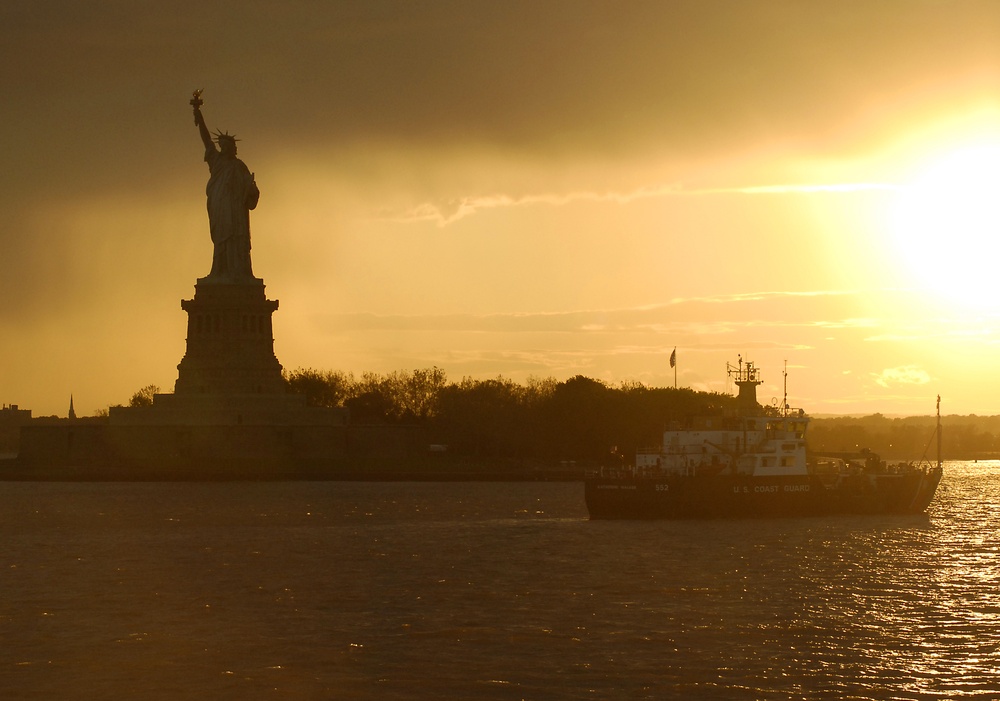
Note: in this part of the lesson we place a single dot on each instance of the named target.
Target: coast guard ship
(754, 463)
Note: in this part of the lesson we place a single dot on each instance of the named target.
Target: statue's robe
(232, 193)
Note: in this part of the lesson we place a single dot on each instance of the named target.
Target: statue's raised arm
(199, 120)
(206, 137)
(232, 193)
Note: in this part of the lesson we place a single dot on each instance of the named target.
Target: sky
(526, 189)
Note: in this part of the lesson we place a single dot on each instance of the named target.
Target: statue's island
(230, 415)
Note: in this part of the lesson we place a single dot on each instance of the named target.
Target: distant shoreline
(12, 471)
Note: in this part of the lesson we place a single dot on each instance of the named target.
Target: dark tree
(144, 397)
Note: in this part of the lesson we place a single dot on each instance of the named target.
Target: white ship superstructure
(755, 442)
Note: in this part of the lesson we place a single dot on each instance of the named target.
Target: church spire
(72, 413)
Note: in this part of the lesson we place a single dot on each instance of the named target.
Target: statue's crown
(225, 136)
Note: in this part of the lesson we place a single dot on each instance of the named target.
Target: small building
(12, 418)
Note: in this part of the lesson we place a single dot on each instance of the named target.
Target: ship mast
(784, 399)
(939, 431)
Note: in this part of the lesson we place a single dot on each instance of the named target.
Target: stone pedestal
(230, 343)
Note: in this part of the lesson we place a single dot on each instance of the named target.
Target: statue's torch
(196, 100)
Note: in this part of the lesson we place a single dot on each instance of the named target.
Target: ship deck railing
(625, 472)
(632, 472)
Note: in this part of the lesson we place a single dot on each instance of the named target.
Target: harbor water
(329, 590)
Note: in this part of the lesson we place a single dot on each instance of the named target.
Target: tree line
(578, 419)
(583, 419)
(912, 438)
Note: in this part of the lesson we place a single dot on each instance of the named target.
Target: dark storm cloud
(526, 75)
(563, 77)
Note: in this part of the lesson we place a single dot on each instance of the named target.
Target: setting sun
(945, 225)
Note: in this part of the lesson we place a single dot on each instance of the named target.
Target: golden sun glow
(945, 225)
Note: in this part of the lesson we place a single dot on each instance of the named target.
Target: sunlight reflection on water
(502, 591)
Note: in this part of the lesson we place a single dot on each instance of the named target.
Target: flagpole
(673, 364)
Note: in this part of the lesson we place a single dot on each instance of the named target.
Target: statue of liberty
(232, 193)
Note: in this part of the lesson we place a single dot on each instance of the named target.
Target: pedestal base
(230, 343)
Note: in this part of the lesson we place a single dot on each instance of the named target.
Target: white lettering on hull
(771, 488)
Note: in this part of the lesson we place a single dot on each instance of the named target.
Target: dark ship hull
(907, 491)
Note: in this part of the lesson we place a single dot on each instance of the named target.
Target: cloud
(445, 213)
(760, 296)
(902, 375)
(451, 211)
(806, 189)
(692, 316)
